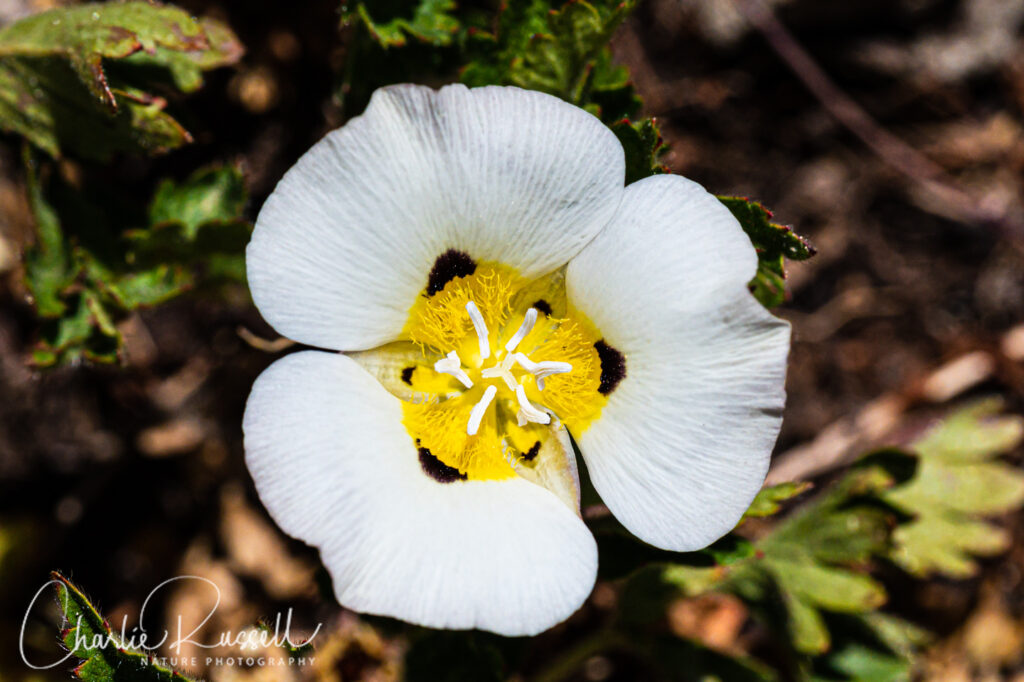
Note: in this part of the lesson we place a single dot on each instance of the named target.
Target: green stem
(570, 661)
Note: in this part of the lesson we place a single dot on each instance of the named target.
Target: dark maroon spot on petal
(543, 306)
(407, 375)
(438, 470)
(448, 266)
(531, 454)
(613, 367)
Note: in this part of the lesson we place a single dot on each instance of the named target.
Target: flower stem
(570, 661)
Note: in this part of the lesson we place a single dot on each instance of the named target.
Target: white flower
(493, 288)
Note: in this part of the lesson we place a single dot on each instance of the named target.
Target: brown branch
(931, 177)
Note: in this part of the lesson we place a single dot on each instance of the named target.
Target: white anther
(542, 369)
(528, 321)
(477, 414)
(451, 364)
(482, 335)
(527, 411)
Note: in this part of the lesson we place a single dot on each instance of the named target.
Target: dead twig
(266, 345)
(928, 175)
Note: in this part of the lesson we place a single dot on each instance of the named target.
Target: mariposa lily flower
(489, 291)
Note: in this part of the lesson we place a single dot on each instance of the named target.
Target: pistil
(502, 369)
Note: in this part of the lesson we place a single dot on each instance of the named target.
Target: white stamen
(477, 414)
(527, 411)
(542, 369)
(482, 335)
(528, 321)
(451, 364)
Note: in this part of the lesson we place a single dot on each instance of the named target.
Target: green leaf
(871, 646)
(809, 576)
(940, 542)
(641, 141)
(694, 580)
(611, 89)
(291, 648)
(958, 481)
(896, 634)
(863, 664)
(390, 23)
(806, 627)
(214, 194)
(975, 433)
(561, 51)
(774, 244)
(48, 266)
(824, 586)
(70, 78)
(86, 282)
(88, 637)
(809, 564)
(769, 501)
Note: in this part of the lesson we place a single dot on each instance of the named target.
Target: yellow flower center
(499, 369)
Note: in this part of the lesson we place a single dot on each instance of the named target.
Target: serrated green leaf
(84, 332)
(209, 195)
(561, 51)
(774, 244)
(198, 237)
(88, 637)
(292, 649)
(809, 575)
(149, 287)
(769, 501)
(57, 91)
(957, 482)
(977, 432)
(611, 89)
(807, 565)
(824, 586)
(48, 269)
(847, 536)
(390, 24)
(945, 543)
(981, 488)
(641, 141)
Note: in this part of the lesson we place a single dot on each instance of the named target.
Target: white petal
(334, 467)
(346, 241)
(683, 445)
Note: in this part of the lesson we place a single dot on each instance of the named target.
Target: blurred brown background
(124, 477)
